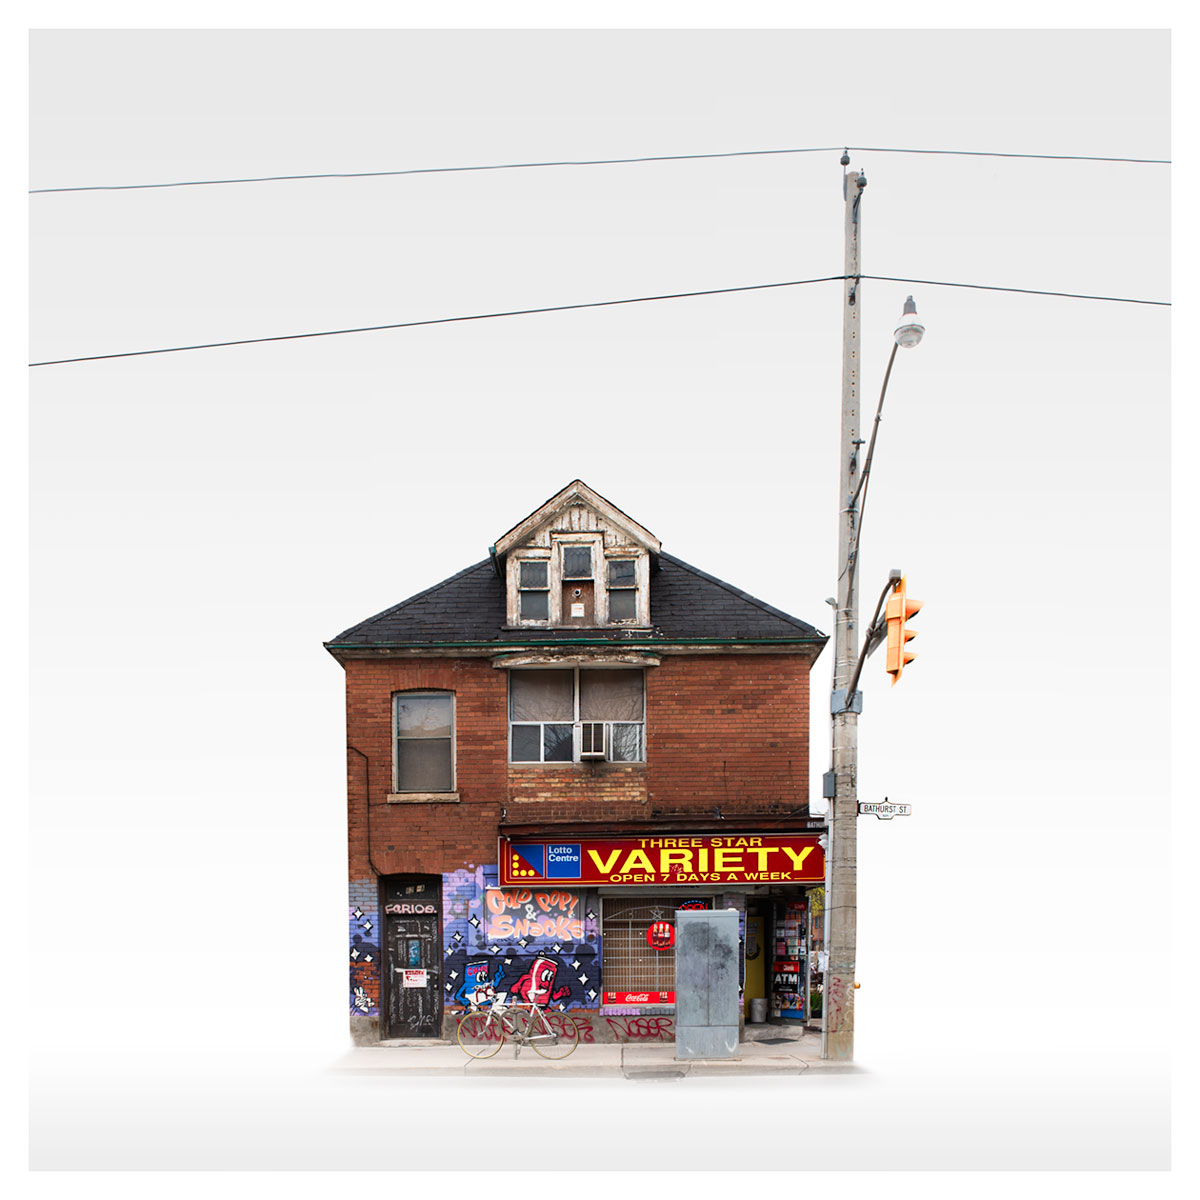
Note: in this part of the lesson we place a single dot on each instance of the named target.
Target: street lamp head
(910, 331)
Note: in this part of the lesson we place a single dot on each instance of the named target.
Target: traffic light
(899, 609)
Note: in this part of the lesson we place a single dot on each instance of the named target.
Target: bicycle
(482, 1031)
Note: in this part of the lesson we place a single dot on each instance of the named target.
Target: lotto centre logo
(544, 860)
(563, 860)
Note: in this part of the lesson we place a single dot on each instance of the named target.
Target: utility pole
(841, 899)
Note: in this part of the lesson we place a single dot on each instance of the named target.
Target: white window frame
(574, 723)
(601, 556)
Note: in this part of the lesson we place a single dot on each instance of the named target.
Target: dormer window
(533, 581)
(622, 589)
(577, 563)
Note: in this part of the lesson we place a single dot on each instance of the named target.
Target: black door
(413, 994)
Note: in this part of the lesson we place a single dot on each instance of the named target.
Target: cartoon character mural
(536, 986)
(493, 934)
(475, 979)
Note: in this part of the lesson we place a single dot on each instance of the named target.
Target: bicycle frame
(535, 1029)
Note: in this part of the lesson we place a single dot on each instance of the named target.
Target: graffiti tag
(642, 1029)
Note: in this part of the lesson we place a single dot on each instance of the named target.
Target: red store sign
(664, 860)
(639, 997)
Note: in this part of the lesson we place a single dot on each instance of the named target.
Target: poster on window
(673, 859)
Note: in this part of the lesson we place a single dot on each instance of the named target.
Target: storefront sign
(666, 859)
(639, 997)
(416, 979)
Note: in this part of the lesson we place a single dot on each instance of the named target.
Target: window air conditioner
(591, 740)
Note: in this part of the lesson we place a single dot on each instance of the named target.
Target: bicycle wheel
(478, 1036)
(552, 1034)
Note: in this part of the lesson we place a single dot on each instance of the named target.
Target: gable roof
(576, 492)
(468, 609)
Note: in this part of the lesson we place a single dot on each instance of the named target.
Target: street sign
(884, 811)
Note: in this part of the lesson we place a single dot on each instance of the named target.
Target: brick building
(554, 748)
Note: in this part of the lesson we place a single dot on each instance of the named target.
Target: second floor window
(547, 709)
(423, 723)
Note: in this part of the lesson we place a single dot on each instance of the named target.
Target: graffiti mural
(539, 943)
(520, 913)
(537, 985)
(364, 948)
(477, 975)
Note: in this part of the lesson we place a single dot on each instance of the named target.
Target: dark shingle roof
(685, 604)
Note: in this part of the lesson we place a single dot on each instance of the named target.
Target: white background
(202, 521)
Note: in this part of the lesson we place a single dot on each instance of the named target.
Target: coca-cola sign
(660, 935)
(639, 997)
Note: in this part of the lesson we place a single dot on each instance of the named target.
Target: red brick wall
(426, 838)
(728, 731)
(722, 731)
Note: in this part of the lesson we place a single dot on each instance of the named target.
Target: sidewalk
(768, 1050)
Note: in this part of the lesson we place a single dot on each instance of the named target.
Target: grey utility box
(706, 984)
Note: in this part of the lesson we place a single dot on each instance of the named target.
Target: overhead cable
(587, 162)
(521, 312)
(986, 287)
(517, 312)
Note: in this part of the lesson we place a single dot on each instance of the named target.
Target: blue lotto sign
(563, 860)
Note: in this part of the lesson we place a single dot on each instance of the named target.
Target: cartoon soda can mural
(536, 986)
(475, 979)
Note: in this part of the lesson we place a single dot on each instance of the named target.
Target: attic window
(534, 586)
(622, 589)
(576, 581)
(577, 562)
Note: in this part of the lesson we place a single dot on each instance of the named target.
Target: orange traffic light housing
(899, 608)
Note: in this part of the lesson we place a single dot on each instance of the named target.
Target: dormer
(578, 561)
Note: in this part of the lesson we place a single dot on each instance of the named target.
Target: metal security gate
(631, 963)
(413, 987)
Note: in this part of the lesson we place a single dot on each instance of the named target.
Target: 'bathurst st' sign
(665, 859)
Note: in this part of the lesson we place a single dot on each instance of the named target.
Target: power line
(1026, 291)
(588, 162)
(1002, 154)
(512, 166)
(518, 312)
(522, 312)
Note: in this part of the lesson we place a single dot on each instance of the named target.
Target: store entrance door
(757, 938)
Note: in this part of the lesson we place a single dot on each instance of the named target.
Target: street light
(908, 334)
(910, 331)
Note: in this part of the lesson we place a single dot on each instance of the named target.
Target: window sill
(592, 763)
(423, 798)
